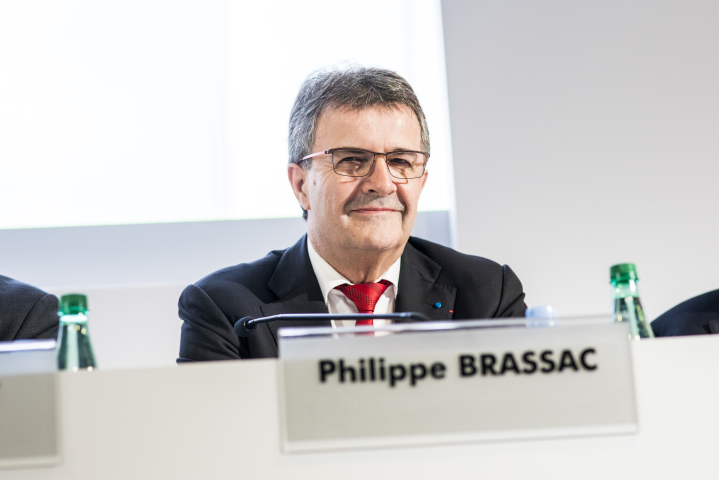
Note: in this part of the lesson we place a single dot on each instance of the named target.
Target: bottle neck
(626, 289)
(74, 318)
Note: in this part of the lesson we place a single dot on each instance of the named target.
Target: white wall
(586, 134)
(133, 326)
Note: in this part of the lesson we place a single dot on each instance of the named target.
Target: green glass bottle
(627, 306)
(74, 349)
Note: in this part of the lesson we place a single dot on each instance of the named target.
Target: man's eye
(400, 162)
(352, 159)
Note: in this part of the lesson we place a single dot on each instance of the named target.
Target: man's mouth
(375, 210)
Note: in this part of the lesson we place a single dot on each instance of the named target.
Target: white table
(220, 420)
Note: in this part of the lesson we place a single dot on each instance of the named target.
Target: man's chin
(374, 245)
(374, 232)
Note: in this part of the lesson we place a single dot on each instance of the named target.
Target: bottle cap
(623, 272)
(73, 303)
(542, 311)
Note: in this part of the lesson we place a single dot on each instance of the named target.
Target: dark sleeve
(41, 321)
(672, 324)
(511, 301)
(207, 333)
(696, 316)
(660, 330)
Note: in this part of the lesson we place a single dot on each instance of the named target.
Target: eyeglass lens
(357, 163)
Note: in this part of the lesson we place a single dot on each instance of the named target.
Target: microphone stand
(246, 325)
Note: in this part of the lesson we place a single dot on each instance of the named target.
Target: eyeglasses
(357, 162)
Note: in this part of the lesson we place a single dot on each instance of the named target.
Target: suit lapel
(418, 291)
(297, 289)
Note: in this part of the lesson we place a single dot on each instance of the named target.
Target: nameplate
(29, 435)
(471, 384)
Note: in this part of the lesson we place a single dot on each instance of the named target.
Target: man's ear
(424, 179)
(298, 179)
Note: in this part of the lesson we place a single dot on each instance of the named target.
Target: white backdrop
(126, 112)
(586, 134)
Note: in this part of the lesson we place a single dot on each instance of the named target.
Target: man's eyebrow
(351, 148)
(395, 149)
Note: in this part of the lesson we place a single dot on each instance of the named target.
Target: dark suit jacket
(26, 312)
(284, 282)
(696, 316)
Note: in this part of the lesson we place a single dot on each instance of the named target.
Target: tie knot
(364, 295)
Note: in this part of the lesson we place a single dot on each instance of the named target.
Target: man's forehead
(347, 113)
(396, 123)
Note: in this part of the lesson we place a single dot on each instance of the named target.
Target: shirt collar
(329, 278)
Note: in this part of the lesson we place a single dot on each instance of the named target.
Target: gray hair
(356, 88)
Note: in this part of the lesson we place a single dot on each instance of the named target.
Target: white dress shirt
(337, 302)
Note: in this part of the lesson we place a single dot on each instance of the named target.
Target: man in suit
(26, 312)
(358, 150)
(696, 316)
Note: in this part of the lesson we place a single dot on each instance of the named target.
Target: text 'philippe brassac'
(529, 362)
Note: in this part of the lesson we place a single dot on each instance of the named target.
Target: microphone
(246, 325)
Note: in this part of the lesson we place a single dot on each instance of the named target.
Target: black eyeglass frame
(374, 159)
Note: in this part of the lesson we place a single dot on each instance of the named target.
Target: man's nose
(379, 180)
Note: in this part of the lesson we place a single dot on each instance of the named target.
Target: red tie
(364, 296)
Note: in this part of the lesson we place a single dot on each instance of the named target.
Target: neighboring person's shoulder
(26, 312)
(18, 293)
(697, 316)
